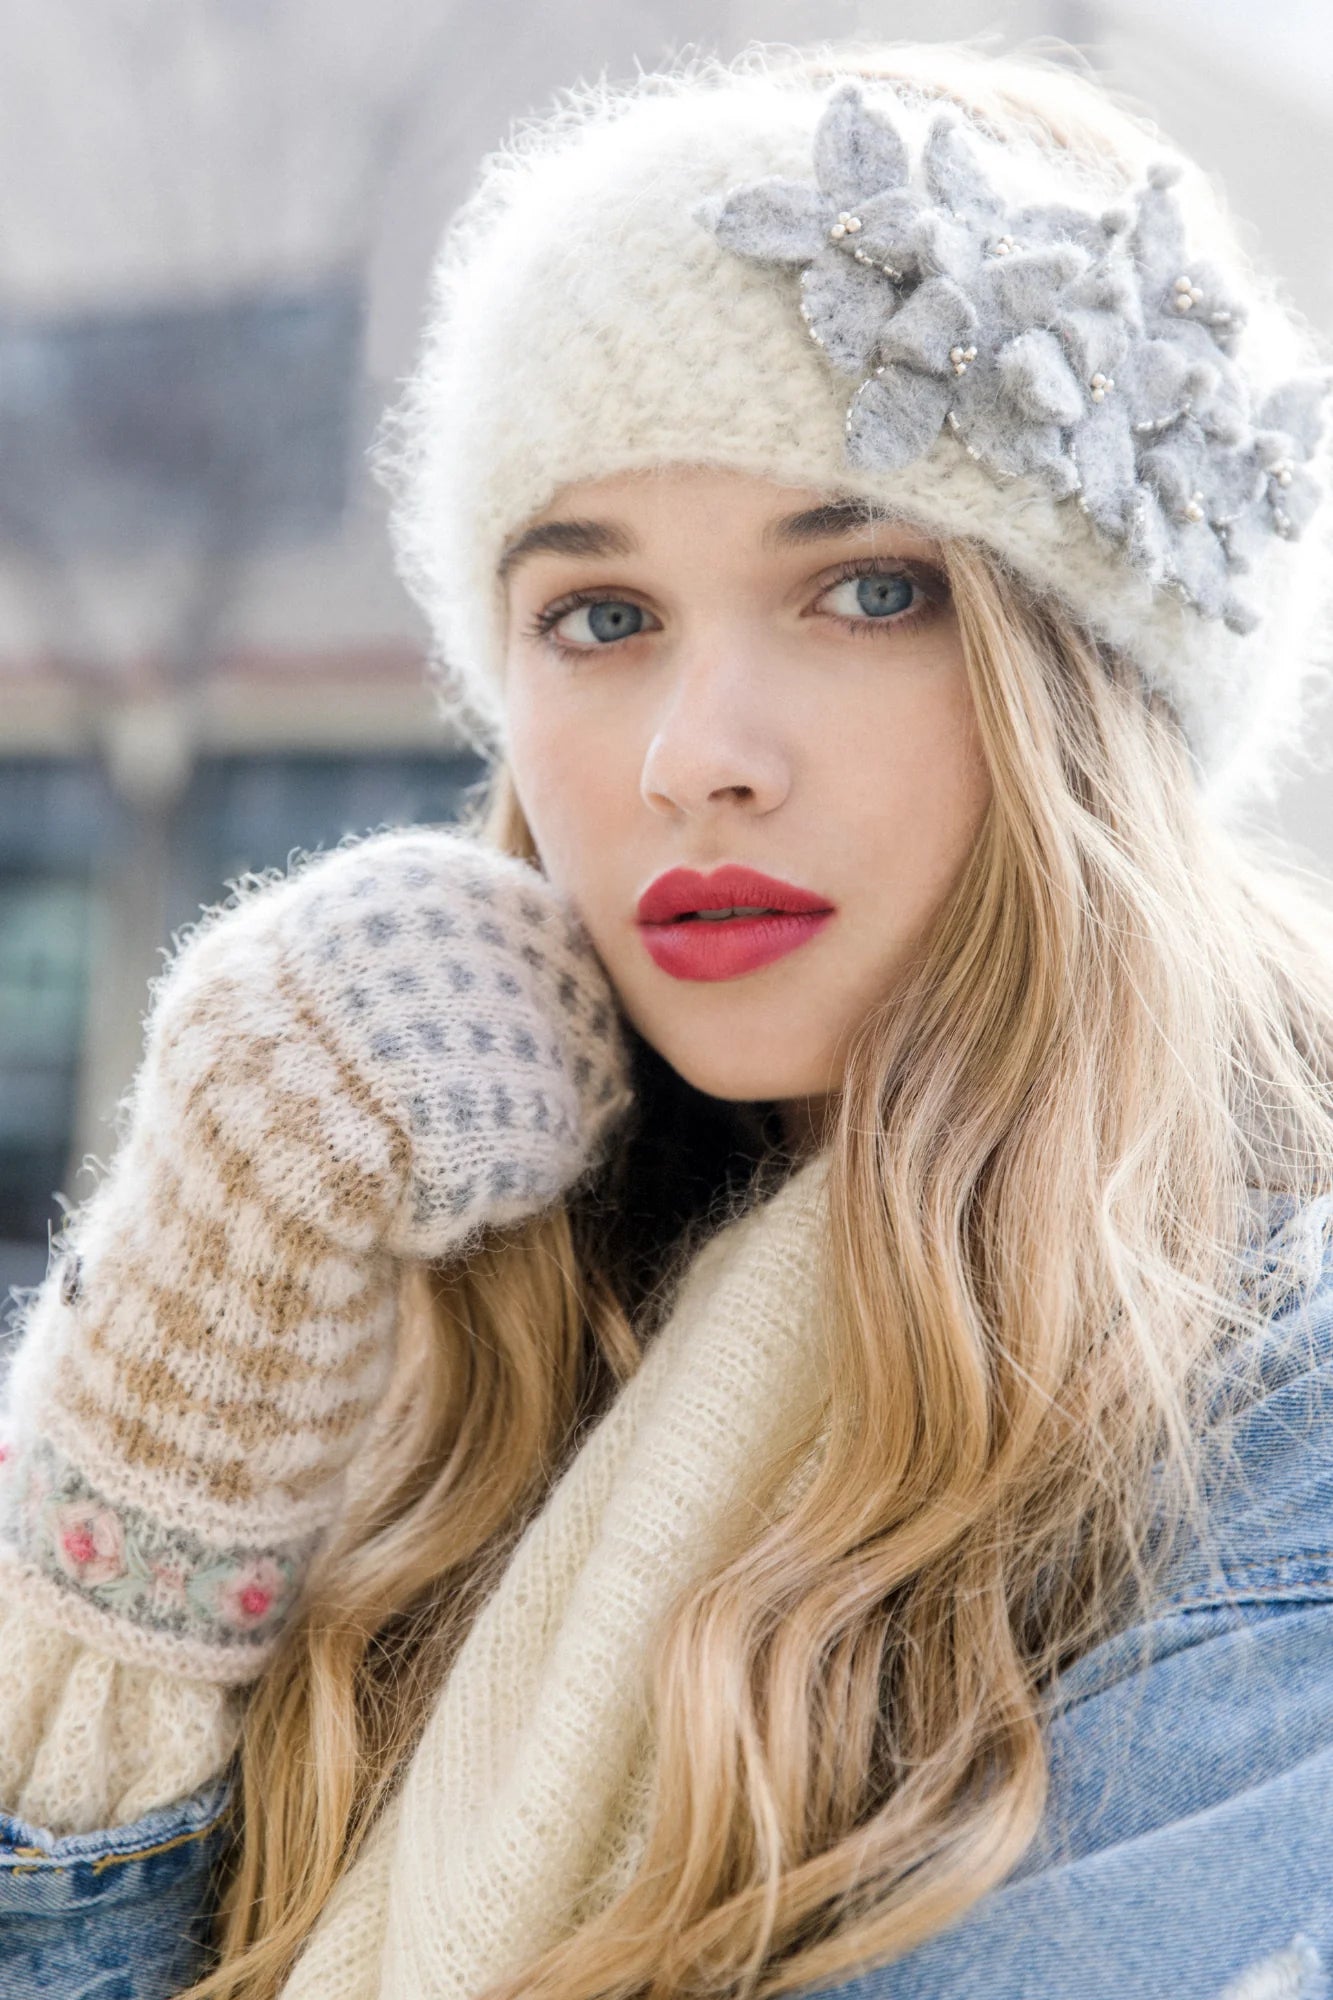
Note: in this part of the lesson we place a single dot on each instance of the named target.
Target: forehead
(619, 516)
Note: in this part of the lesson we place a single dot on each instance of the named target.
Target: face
(705, 671)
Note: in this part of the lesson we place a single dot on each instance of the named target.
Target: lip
(730, 886)
(735, 945)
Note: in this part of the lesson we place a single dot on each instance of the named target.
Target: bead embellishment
(847, 225)
(1001, 478)
(1087, 352)
(1150, 424)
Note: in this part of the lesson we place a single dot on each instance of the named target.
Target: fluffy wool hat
(969, 289)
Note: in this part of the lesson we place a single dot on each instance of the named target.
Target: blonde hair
(1051, 1146)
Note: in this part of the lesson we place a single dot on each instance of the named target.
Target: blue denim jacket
(1187, 1848)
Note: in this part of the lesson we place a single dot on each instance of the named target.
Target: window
(43, 995)
(69, 856)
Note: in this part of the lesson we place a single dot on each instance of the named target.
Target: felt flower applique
(1080, 349)
(838, 230)
(942, 304)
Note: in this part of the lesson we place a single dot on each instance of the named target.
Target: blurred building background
(218, 219)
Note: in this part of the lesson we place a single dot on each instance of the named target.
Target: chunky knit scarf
(524, 1808)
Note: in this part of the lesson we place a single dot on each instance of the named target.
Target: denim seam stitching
(96, 1864)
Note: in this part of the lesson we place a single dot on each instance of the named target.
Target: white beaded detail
(1078, 495)
(847, 225)
(952, 421)
(864, 257)
(1281, 470)
(1100, 385)
(960, 356)
(1000, 478)
(1187, 295)
(1003, 246)
(810, 328)
(1162, 423)
(1193, 509)
(860, 390)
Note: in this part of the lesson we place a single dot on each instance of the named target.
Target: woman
(717, 1382)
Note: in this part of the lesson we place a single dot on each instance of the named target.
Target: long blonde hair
(1050, 1149)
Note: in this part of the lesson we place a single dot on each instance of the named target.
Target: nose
(717, 740)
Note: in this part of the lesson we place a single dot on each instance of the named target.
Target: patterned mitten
(404, 1043)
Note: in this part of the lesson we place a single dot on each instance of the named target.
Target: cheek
(914, 788)
(561, 774)
(941, 770)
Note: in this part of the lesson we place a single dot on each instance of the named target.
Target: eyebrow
(608, 538)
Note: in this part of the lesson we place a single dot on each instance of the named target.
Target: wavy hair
(1049, 1150)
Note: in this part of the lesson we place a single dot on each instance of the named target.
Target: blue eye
(881, 594)
(609, 618)
(885, 600)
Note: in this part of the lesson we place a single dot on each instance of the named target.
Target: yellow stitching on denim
(114, 1860)
(163, 1847)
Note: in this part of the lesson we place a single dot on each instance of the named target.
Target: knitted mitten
(407, 1041)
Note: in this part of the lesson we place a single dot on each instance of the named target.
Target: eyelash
(929, 599)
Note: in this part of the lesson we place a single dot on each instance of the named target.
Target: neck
(807, 1123)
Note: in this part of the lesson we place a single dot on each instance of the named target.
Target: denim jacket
(1186, 1851)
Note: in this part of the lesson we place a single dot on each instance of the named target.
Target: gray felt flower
(1087, 351)
(832, 228)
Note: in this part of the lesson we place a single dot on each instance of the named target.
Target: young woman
(720, 1382)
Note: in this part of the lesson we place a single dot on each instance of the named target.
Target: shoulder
(1268, 1446)
(1184, 1846)
(1265, 1538)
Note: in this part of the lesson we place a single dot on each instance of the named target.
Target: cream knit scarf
(523, 1809)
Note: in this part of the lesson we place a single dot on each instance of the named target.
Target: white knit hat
(850, 286)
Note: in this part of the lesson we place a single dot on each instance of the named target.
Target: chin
(719, 1074)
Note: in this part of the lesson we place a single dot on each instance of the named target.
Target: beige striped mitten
(373, 1059)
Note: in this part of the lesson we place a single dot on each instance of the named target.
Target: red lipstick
(777, 917)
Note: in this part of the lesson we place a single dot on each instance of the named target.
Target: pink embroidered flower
(89, 1543)
(247, 1598)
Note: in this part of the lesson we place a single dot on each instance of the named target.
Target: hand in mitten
(406, 1042)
